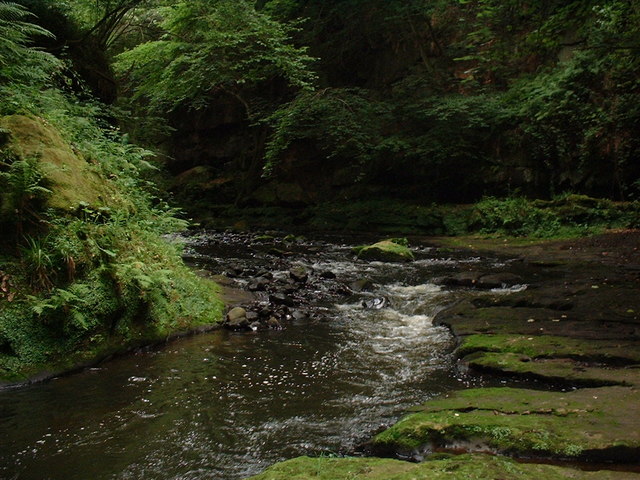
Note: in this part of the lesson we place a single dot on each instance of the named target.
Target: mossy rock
(549, 346)
(72, 180)
(563, 371)
(574, 361)
(591, 424)
(587, 322)
(385, 251)
(462, 467)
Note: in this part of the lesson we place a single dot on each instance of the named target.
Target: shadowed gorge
(343, 239)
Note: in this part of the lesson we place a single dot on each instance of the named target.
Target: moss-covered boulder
(592, 424)
(462, 467)
(385, 251)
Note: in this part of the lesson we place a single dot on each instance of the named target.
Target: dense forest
(351, 113)
(295, 102)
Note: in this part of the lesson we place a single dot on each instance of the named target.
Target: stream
(225, 405)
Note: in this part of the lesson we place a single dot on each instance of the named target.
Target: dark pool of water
(226, 405)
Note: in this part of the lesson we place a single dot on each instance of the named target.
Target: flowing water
(225, 405)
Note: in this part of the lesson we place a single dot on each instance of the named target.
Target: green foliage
(577, 134)
(341, 123)
(23, 192)
(38, 263)
(95, 273)
(18, 62)
(565, 216)
(515, 216)
(537, 95)
(212, 48)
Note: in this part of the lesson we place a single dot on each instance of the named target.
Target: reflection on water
(226, 405)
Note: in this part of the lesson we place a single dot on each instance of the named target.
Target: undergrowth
(86, 266)
(565, 216)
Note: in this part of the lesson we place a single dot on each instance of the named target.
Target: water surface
(226, 405)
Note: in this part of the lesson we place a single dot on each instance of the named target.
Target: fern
(19, 62)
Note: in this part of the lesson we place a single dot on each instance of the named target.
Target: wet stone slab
(600, 424)
(462, 467)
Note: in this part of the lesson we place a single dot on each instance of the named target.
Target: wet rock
(385, 251)
(584, 425)
(362, 285)
(299, 315)
(462, 279)
(237, 319)
(299, 274)
(375, 303)
(291, 288)
(498, 280)
(258, 285)
(236, 313)
(327, 275)
(255, 326)
(481, 280)
(263, 273)
(340, 290)
(252, 316)
(282, 299)
(274, 324)
(234, 272)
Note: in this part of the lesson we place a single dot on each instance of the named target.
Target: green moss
(522, 422)
(385, 250)
(73, 181)
(549, 346)
(558, 370)
(463, 467)
(94, 274)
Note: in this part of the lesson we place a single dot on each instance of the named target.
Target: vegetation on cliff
(417, 101)
(85, 268)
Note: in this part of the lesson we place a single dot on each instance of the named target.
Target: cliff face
(443, 104)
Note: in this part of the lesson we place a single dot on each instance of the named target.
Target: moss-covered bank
(85, 271)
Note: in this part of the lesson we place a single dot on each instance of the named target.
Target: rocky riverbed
(574, 333)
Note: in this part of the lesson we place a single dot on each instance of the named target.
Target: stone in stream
(362, 285)
(299, 315)
(258, 285)
(462, 279)
(299, 274)
(481, 280)
(327, 275)
(291, 288)
(255, 326)
(237, 319)
(499, 280)
(282, 299)
(377, 303)
(274, 324)
(385, 251)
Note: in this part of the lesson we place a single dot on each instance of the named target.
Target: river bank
(574, 332)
